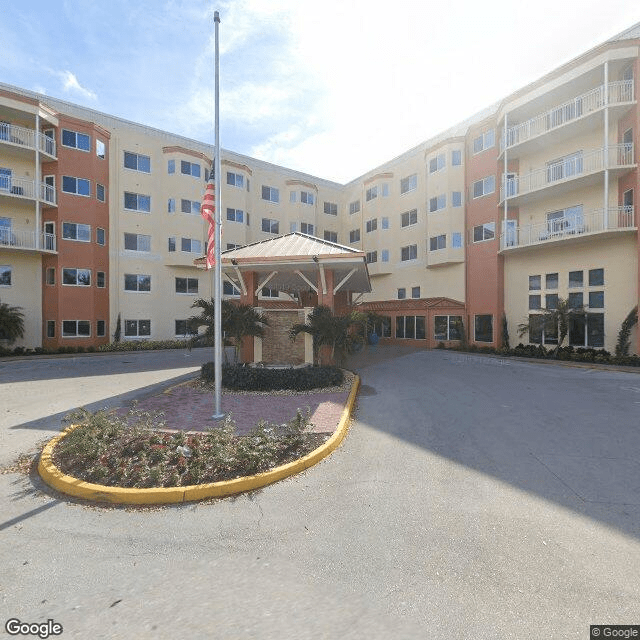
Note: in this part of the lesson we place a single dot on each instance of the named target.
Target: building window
(437, 203)
(576, 300)
(564, 220)
(137, 282)
(184, 329)
(486, 231)
(229, 290)
(331, 236)
(484, 187)
(371, 225)
(187, 285)
(551, 281)
(384, 222)
(190, 169)
(437, 163)
(171, 205)
(190, 206)
(354, 207)
(484, 141)
(410, 183)
(409, 218)
(456, 158)
(565, 167)
(354, 235)
(137, 328)
(306, 197)
(50, 277)
(101, 149)
(385, 190)
(235, 179)
(233, 245)
(137, 242)
(551, 301)
(456, 198)
(270, 226)
(137, 202)
(75, 231)
(76, 140)
(76, 277)
(437, 242)
(596, 277)
(5, 275)
(331, 208)
(172, 244)
(101, 279)
(171, 166)
(307, 227)
(483, 328)
(587, 331)
(415, 292)
(76, 329)
(77, 186)
(412, 327)
(293, 227)
(534, 283)
(456, 240)
(372, 192)
(402, 293)
(575, 279)
(447, 328)
(51, 328)
(101, 330)
(190, 245)
(535, 302)
(137, 162)
(596, 299)
(268, 292)
(409, 253)
(382, 327)
(371, 256)
(384, 255)
(235, 215)
(271, 194)
(100, 193)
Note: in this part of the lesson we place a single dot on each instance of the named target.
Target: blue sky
(332, 87)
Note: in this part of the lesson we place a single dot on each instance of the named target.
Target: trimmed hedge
(127, 345)
(241, 377)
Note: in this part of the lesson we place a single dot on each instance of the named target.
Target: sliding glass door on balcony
(566, 167)
(568, 220)
(5, 179)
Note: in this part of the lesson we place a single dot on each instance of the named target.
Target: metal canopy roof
(292, 263)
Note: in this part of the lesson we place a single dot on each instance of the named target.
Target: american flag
(207, 211)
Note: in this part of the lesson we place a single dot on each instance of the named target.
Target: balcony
(620, 93)
(26, 190)
(25, 240)
(569, 227)
(578, 166)
(446, 256)
(22, 138)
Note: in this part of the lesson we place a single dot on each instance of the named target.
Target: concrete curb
(171, 495)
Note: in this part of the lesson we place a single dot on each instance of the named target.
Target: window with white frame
(371, 193)
(187, 285)
(487, 140)
(447, 328)
(101, 149)
(190, 206)
(137, 162)
(271, 194)
(235, 179)
(409, 218)
(172, 244)
(306, 197)
(76, 140)
(137, 328)
(76, 329)
(190, 169)
(331, 208)
(412, 327)
(437, 203)
(437, 163)
(371, 225)
(486, 231)
(456, 158)
(138, 282)
(402, 293)
(307, 227)
(409, 252)
(72, 277)
(101, 236)
(384, 222)
(171, 205)
(410, 183)
(269, 292)
(456, 240)
(384, 255)
(415, 292)
(76, 186)
(76, 231)
(6, 272)
(229, 290)
(565, 167)
(293, 227)
(191, 245)
(385, 190)
(437, 242)
(371, 256)
(184, 328)
(171, 166)
(137, 242)
(137, 202)
(51, 328)
(50, 275)
(456, 198)
(100, 192)
(331, 236)
(484, 187)
(354, 236)
(270, 226)
(354, 207)
(101, 279)
(235, 215)
(233, 245)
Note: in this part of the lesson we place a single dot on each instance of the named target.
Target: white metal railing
(571, 226)
(17, 187)
(27, 138)
(568, 168)
(26, 239)
(48, 193)
(619, 92)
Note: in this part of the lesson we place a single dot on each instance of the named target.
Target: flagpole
(217, 271)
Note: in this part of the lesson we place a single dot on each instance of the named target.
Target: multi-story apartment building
(501, 216)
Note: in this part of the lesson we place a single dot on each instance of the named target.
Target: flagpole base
(218, 416)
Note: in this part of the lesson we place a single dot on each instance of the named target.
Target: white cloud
(70, 84)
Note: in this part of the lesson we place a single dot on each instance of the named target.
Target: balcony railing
(569, 168)
(26, 239)
(572, 226)
(619, 92)
(21, 188)
(27, 138)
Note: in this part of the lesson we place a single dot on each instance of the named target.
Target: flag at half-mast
(207, 211)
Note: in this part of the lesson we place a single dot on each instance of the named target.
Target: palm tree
(11, 323)
(238, 321)
(558, 319)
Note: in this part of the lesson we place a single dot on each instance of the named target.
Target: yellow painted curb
(167, 495)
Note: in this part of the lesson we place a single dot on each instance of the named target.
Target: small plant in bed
(133, 451)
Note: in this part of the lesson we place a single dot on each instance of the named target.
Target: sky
(332, 88)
